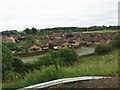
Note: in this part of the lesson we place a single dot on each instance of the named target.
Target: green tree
(34, 30)
(13, 46)
(7, 59)
(27, 31)
(29, 39)
(51, 46)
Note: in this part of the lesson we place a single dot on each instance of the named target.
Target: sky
(22, 14)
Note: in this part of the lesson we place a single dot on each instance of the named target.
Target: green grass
(101, 31)
(105, 65)
(31, 57)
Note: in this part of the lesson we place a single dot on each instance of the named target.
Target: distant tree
(6, 33)
(13, 46)
(10, 32)
(29, 39)
(27, 31)
(13, 32)
(34, 30)
(22, 33)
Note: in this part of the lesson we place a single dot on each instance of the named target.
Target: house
(32, 47)
(60, 43)
(45, 44)
(11, 38)
(74, 41)
(96, 38)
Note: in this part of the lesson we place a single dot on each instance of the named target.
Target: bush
(51, 46)
(30, 67)
(103, 48)
(13, 46)
(45, 74)
(46, 60)
(11, 76)
(17, 65)
(63, 56)
(68, 56)
(116, 42)
(7, 60)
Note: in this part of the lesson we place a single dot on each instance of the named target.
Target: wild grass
(101, 31)
(95, 65)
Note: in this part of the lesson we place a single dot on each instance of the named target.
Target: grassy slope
(87, 65)
(102, 31)
(96, 65)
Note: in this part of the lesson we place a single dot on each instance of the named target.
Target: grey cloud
(19, 14)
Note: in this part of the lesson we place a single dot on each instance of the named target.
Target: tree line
(60, 29)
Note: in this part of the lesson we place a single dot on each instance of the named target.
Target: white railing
(60, 81)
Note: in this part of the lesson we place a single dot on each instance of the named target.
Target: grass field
(91, 65)
(101, 31)
(31, 57)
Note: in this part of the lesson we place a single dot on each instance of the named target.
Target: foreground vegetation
(60, 64)
(86, 65)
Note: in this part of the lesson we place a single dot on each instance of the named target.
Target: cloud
(20, 14)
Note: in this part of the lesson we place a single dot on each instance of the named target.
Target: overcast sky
(21, 14)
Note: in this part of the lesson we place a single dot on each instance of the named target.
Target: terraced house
(32, 47)
(60, 40)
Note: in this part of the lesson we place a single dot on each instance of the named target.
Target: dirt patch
(99, 83)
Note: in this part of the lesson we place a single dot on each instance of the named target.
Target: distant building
(32, 47)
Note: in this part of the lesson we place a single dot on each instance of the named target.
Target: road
(86, 51)
(83, 51)
(30, 60)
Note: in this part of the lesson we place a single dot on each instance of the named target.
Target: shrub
(11, 76)
(68, 56)
(17, 65)
(63, 56)
(51, 46)
(103, 48)
(30, 66)
(45, 74)
(116, 42)
(46, 60)
(7, 60)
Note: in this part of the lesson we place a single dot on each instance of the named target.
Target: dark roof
(57, 41)
(28, 45)
(44, 42)
(91, 39)
(71, 40)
